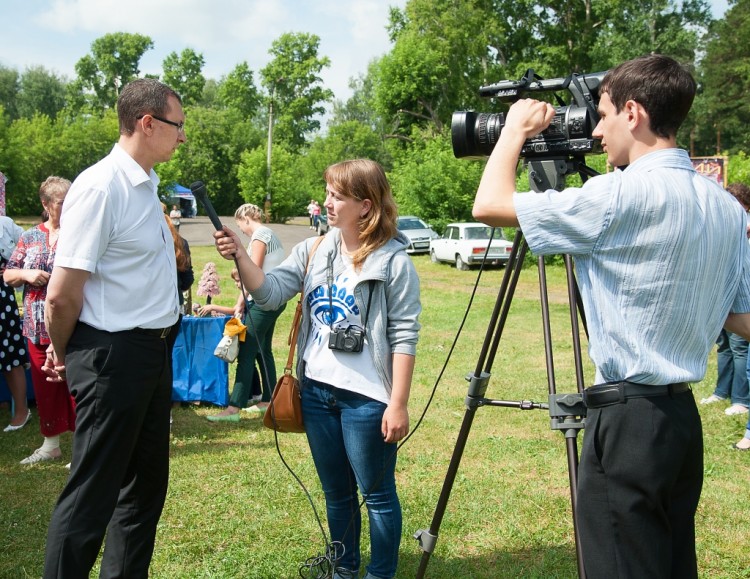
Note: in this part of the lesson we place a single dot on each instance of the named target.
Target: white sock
(50, 443)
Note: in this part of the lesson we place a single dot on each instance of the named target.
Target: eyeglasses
(180, 126)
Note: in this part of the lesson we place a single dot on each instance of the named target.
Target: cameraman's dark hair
(741, 192)
(663, 87)
(144, 96)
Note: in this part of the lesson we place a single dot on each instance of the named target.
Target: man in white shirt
(112, 300)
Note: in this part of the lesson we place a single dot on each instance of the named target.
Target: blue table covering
(198, 374)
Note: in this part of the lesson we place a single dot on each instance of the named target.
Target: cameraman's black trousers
(640, 479)
(122, 386)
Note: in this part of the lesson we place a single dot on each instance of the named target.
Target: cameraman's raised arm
(494, 201)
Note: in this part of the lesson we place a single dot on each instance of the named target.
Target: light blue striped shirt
(661, 258)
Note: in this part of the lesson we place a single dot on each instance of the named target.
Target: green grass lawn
(233, 510)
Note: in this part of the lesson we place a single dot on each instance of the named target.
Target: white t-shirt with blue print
(353, 371)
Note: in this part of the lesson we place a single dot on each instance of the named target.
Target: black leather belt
(618, 392)
(155, 332)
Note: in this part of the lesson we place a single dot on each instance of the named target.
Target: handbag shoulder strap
(294, 331)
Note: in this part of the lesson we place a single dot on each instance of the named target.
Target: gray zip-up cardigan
(393, 325)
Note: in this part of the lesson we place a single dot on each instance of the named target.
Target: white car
(465, 244)
(418, 232)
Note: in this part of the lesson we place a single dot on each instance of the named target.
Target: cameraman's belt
(619, 392)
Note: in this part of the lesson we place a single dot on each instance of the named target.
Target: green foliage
(347, 140)
(184, 74)
(38, 147)
(726, 82)
(287, 195)
(216, 139)
(738, 170)
(113, 62)
(238, 91)
(293, 81)
(630, 29)
(9, 88)
(36, 91)
(84, 140)
(430, 182)
(437, 63)
(30, 161)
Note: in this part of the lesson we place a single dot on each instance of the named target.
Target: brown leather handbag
(284, 413)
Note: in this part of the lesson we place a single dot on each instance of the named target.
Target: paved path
(199, 231)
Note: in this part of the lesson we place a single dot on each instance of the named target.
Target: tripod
(566, 411)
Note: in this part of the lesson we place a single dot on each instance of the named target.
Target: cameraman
(662, 259)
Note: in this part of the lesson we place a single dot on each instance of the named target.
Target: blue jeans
(343, 431)
(731, 359)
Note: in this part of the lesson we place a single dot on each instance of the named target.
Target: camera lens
(475, 134)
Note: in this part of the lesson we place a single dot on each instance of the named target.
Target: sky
(57, 33)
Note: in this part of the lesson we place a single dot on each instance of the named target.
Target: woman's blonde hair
(51, 186)
(365, 179)
(249, 211)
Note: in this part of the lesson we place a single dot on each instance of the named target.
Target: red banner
(713, 167)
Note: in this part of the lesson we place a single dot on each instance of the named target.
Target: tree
(9, 88)
(288, 194)
(30, 159)
(184, 74)
(40, 92)
(84, 140)
(295, 89)
(237, 90)
(113, 62)
(215, 140)
(430, 182)
(344, 140)
(634, 28)
(725, 79)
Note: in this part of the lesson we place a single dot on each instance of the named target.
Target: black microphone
(199, 192)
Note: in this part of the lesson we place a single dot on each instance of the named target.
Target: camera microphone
(199, 192)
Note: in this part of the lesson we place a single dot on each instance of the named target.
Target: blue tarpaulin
(188, 205)
(178, 190)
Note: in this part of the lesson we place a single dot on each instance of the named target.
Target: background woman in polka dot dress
(13, 355)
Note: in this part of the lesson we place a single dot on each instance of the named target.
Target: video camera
(569, 134)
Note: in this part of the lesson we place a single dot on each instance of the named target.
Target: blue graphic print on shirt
(341, 311)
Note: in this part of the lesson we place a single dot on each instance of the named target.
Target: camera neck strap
(329, 282)
(371, 283)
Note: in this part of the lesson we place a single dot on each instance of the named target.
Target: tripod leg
(572, 452)
(427, 539)
(477, 389)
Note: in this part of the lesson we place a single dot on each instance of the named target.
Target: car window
(411, 224)
(483, 233)
(453, 233)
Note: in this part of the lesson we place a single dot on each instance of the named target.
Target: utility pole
(267, 204)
